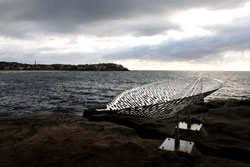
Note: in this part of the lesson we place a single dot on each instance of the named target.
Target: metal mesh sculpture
(163, 99)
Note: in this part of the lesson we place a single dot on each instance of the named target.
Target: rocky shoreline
(102, 139)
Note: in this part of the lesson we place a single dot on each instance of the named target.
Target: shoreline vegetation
(14, 66)
(103, 139)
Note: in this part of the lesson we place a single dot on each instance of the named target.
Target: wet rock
(152, 161)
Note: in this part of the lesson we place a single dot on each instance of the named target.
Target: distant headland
(8, 66)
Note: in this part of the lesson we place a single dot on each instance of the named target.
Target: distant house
(20, 68)
(6, 67)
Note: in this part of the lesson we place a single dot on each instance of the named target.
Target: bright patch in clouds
(193, 21)
(203, 16)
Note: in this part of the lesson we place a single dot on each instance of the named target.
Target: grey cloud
(67, 58)
(17, 55)
(152, 29)
(136, 27)
(231, 38)
(239, 24)
(30, 57)
(91, 16)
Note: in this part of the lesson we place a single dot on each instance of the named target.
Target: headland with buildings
(8, 66)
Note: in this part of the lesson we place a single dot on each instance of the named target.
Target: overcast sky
(139, 34)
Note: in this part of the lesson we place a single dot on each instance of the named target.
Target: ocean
(72, 92)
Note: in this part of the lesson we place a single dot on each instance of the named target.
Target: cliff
(62, 67)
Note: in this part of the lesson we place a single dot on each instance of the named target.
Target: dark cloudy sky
(140, 34)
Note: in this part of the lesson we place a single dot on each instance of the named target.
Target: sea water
(71, 92)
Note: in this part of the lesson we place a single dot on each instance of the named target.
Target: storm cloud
(95, 17)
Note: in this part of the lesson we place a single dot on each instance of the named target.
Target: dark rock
(108, 139)
(238, 154)
(244, 102)
(150, 131)
(169, 156)
(153, 161)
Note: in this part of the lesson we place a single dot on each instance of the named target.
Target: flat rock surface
(103, 139)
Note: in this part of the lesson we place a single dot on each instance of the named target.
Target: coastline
(31, 71)
(9, 66)
(56, 139)
(48, 71)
